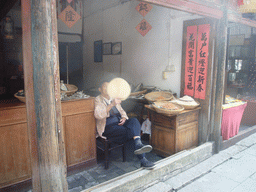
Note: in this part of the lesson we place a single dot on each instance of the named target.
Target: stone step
(167, 167)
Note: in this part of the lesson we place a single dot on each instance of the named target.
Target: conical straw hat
(119, 88)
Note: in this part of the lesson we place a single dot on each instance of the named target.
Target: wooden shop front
(79, 136)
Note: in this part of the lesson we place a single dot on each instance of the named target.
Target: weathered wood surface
(39, 53)
(171, 134)
(204, 129)
(220, 78)
(78, 132)
(201, 8)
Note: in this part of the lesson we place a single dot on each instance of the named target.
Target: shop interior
(240, 73)
(79, 67)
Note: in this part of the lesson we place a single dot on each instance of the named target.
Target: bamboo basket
(159, 96)
(71, 89)
(21, 98)
(158, 107)
(138, 92)
(186, 105)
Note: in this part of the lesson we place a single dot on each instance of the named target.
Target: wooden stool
(106, 148)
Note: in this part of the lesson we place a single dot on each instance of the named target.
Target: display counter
(79, 131)
(173, 133)
(232, 113)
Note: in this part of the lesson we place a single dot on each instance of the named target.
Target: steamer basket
(156, 96)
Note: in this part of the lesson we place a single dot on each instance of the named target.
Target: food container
(168, 108)
(159, 96)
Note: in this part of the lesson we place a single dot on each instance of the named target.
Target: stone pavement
(231, 170)
(98, 174)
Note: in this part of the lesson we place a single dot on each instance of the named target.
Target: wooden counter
(79, 130)
(171, 134)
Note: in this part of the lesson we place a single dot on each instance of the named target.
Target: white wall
(143, 59)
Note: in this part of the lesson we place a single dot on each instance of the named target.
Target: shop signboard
(190, 60)
(196, 63)
(202, 60)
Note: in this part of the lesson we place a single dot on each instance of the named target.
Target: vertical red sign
(202, 60)
(190, 60)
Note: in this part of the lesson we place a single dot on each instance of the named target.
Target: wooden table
(173, 133)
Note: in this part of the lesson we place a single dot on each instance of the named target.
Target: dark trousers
(123, 133)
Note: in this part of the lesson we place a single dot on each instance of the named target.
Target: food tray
(187, 104)
(158, 107)
(71, 89)
(138, 92)
(159, 96)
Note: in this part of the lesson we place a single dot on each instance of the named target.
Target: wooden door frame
(204, 115)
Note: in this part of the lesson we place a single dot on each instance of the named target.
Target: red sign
(190, 60)
(69, 16)
(143, 8)
(202, 60)
(143, 27)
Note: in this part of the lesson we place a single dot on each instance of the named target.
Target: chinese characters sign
(202, 60)
(196, 65)
(69, 16)
(143, 27)
(143, 8)
(190, 60)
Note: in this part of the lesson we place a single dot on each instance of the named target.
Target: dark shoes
(140, 148)
(143, 149)
(147, 164)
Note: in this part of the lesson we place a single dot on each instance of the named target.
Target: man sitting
(112, 122)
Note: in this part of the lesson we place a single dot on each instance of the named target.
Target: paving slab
(159, 187)
(249, 185)
(211, 182)
(237, 169)
(249, 141)
(253, 177)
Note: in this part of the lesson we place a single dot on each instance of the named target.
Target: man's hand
(122, 121)
(116, 101)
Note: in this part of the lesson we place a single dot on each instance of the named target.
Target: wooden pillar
(220, 81)
(42, 90)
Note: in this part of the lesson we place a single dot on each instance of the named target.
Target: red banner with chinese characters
(202, 60)
(190, 60)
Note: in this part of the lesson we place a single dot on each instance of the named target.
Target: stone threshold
(169, 166)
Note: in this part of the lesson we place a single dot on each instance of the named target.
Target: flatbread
(119, 88)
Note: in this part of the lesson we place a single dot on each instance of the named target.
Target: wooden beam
(239, 19)
(189, 6)
(41, 73)
(221, 48)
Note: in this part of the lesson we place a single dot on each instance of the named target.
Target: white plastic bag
(146, 126)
